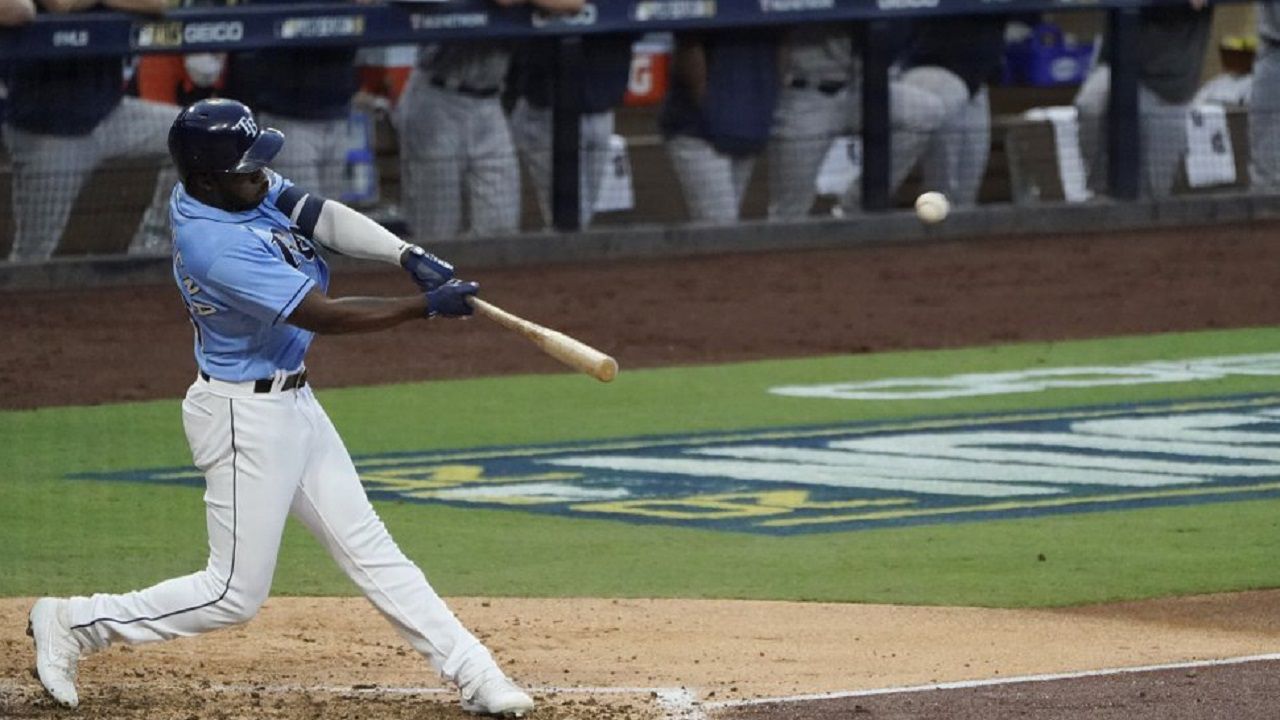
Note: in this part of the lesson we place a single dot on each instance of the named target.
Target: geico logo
(586, 16)
(905, 4)
(217, 32)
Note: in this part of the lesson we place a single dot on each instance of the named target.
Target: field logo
(857, 476)
(1041, 379)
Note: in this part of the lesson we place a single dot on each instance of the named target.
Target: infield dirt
(335, 658)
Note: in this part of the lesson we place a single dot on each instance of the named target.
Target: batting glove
(427, 270)
(450, 299)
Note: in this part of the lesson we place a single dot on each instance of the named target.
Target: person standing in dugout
(255, 287)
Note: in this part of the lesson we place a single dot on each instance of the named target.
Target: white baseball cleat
(57, 651)
(497, 695)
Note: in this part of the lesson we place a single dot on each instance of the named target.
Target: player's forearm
(340, 316)
(351, 233)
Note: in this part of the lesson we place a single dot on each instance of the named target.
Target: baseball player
(1264, 104)
(953, 59)
(454, 137)
(247, 267)
(1171, 45)
(306, 93)
(821, 99)
(67, 116)
(606, 68)
(717, 116)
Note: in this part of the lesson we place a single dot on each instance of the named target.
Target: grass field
(76, 536)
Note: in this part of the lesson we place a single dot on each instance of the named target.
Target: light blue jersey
(241, 274)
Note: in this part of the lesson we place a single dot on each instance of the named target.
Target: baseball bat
(574, 353)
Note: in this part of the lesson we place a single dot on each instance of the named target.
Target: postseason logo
(323, 26)
(785, 6)
(586, 16)
(657, 10)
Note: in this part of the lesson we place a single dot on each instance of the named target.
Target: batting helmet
(220, 135)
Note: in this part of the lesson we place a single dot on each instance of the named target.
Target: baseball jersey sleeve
(252, 279)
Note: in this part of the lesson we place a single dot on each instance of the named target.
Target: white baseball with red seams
(932, 207)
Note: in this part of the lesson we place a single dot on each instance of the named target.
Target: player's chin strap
(342, 229)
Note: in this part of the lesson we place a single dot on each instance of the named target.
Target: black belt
(826, 87)
(265, 385)
(466, 89)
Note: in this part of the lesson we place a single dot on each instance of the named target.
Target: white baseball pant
(264, 456)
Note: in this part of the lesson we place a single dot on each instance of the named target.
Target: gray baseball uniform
(49, 171)
(454, 134)
(821, 100)
(1264, 108)
(1171, 48)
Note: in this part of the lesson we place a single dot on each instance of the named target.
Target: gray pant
(1264, 118)
(956, 158)
(1162, 126)
(713, 182)
(807, 121)
(314, 155)
(449, 141)
(50, 170)
(532, 128)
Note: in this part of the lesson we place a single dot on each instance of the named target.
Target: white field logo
(1040, 379)
(859, 475)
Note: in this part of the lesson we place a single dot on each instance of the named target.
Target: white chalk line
(682, 703)
(990, 682)
(368, 689)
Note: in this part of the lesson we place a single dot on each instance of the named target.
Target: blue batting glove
(427, 270)
(450, 299)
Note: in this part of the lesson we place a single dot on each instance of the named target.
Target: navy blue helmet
(220, 135)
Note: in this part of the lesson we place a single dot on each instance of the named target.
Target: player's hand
(427, 270)
(450, 299)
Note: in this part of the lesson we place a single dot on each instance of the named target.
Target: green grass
(65, 536)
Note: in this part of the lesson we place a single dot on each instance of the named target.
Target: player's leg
(140, 129)
(251, 451)
(493, 172)
(805, 124)
(940, 164)
(740, 169)
(706, 178)
(1091, 104)
(1163, 126)
(915, 116)
(48, 172)
(596, 134)
(975, 148)
(1264, 117)
(332, 504)
(531, 133)
(431, 162)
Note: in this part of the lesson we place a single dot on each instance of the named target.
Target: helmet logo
(247, 126)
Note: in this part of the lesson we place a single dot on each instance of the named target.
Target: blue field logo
(857, 476)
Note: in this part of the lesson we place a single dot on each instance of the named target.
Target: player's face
(238, 192)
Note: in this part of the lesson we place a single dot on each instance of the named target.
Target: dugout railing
(250, 27)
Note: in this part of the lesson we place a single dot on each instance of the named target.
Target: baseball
(932, 207)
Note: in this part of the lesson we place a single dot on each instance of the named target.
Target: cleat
(57, 651)
(497, 695)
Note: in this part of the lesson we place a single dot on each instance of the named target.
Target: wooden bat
(574, 353)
